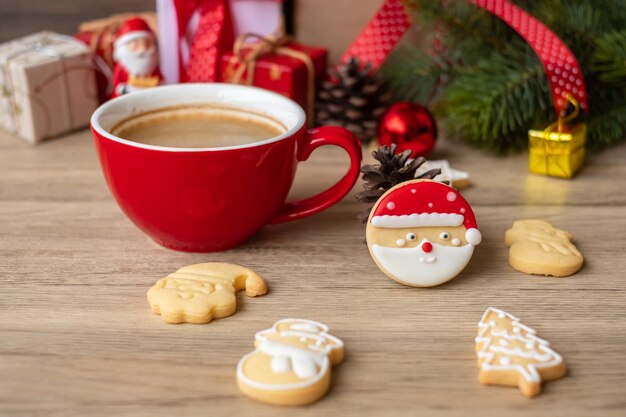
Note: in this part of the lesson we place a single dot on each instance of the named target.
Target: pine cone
(354, 98)
(392, 170)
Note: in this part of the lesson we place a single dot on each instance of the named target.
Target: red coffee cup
(212, 199)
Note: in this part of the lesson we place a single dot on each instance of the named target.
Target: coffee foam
(221, 126)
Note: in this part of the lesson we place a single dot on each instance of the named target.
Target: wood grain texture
(77, 337)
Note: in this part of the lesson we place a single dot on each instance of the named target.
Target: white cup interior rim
(257, 100)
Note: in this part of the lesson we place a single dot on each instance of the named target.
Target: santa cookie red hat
(425, 203)
(132, 29)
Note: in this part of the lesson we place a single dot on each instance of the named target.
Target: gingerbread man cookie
(422, 233)
(539, 248)
(291, 364)
(199, 293)
(509, 353)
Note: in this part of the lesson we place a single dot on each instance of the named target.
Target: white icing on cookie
(539, 351)
(323, 368)
(310, 363)
(307, 327)
(280, 364)
(418, 220)
(304, 363)
(440, 265)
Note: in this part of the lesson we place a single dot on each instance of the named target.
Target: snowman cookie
(291, 364)
(422, 233)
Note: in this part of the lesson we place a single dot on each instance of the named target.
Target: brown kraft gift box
(48, 86)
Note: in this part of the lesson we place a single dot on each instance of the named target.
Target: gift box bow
(246, 55)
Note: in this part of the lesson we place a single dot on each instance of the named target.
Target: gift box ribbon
(248, 53)
(213, 36)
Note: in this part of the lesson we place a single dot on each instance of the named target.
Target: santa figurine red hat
(136, 58)
(422, 233)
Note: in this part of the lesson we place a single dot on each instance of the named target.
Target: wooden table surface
(77, 337)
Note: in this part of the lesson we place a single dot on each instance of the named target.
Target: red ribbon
(385, 29)
(564, 73)
(213, 37)
(379, 36)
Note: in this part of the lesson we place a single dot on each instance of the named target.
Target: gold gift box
(557, 153)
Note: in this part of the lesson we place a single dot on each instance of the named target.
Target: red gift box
(288, 68)
(103, 74)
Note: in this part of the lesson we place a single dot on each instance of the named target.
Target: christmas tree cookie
(509, 353)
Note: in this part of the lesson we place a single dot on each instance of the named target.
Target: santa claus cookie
(422, 233)
(291, 364)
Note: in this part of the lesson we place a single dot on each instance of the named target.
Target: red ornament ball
(409, 126)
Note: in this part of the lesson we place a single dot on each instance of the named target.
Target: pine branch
(495, 104)
(609, 59)
(607, 125)
(416, 76)
(469, 30)
(582, 18)
(488, 83)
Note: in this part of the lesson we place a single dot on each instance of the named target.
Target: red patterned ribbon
(213, 36)
(564, 74)
(380, 36)
(383, 32)
(184, 10)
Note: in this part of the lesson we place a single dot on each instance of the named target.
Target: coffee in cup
(198, 126)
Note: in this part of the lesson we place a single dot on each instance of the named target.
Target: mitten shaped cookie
(199, 293)
(291, 364)
(539, 248)
(509, 353)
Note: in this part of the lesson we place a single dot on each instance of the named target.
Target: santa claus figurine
(422, 233)
(136, 58)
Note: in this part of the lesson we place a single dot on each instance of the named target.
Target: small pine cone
(391, 170)
(353, 97)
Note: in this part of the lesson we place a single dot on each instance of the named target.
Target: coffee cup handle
(325, 135)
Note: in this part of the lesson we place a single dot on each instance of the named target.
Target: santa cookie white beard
(413, 266)
(422, 233)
